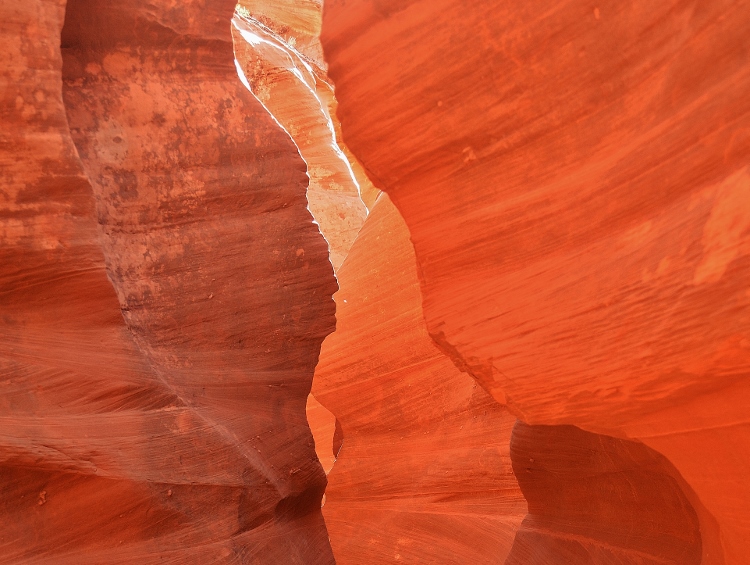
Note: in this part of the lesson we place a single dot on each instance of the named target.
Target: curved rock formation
(575, 180)
(279, 56)
(295, 22)
(287, 86)
(633, 508)
(295, 25)
(176, 435)
(424, 473)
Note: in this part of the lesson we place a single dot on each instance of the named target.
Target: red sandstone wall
(158, 416)
(595, 499)
(575, 181)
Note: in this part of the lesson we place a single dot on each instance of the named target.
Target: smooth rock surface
(575, 181)
(424, 472)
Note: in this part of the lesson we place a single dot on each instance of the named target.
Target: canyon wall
(574, 177)
(542, 339)
(279, 58)
(596, 500)
(164, 293)
(291, 87)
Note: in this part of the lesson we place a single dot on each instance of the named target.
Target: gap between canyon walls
(425, 472)
(400, 488)
(160, 339)
(279, 60)
(224, 283)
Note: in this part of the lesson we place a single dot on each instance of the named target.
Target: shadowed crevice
(596, 499)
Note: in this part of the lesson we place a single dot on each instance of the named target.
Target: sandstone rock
(424, 473)
(633, 508)
(291, 88)
(323, 425)
(162, 420)
(295, 22)
(575, 181)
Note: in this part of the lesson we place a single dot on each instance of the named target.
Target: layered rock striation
(279, 59)
(164, 296)
(575, 181)
(595, 499)
(542, 343)
(424, 472)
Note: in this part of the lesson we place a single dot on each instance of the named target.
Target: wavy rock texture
(177, 435)
(295, 22)
(575, 181)
(294, 26)
(424, 473)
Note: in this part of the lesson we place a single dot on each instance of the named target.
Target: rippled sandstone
(424, 472)
(575, 180)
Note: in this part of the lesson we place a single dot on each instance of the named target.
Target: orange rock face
(575, 181)
(597, 499)
(279, 58)
(424, 473)
(158, 416)
(542, 348)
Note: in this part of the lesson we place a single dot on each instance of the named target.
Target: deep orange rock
(575, 181)
(162, 420)
(296, 22)
(279, 57)
(633, 508)
(424, 472)
(323, 425)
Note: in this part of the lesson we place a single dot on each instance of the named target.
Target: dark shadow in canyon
(596, 499)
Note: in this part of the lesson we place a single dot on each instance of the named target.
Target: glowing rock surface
(575, 181)
(424, 473)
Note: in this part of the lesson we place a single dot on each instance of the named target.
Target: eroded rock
(424, 472)
(575, 182)
(158, 416)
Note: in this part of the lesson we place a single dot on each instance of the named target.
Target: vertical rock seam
(279, 59)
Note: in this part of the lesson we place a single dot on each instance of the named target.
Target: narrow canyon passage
(364, 282)
(424, 475)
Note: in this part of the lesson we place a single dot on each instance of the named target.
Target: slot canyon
(374, 281)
